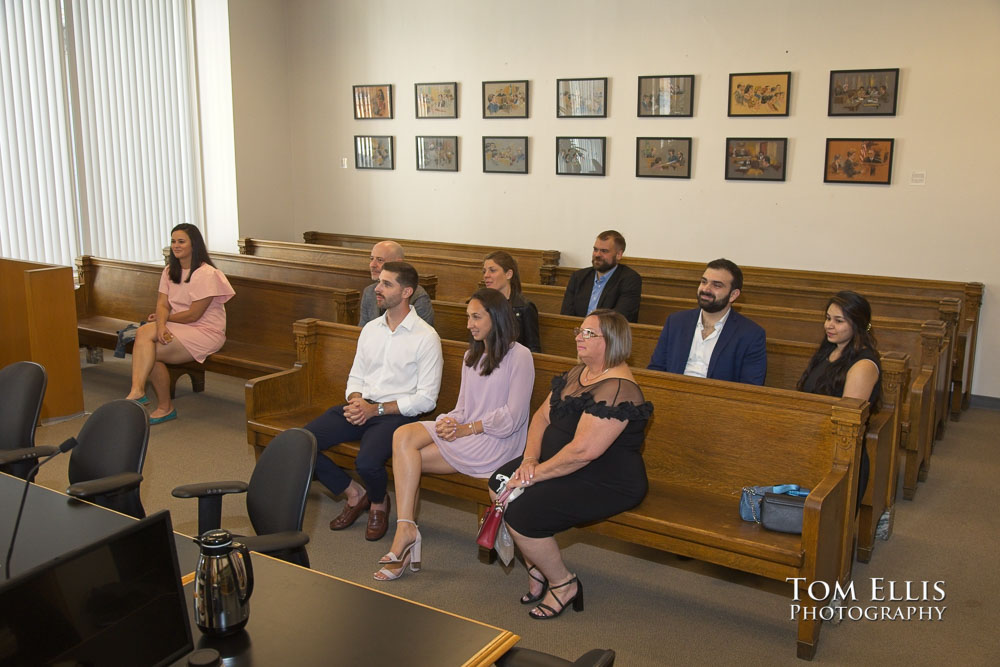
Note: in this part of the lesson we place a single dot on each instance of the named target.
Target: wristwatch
(381, 409)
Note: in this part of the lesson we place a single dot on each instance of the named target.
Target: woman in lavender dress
(487, 427)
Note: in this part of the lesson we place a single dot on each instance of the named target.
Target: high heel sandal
(577, 601)
(409, 556)
(528, 598)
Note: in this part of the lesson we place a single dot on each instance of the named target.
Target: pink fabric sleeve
(208, 281)
(510, 417)
(458, 413)
(164, 287)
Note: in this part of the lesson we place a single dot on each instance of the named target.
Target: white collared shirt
(402, 365)
(700, 354)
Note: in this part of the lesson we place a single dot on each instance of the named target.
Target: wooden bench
(786, 360)
(306, 273)
(259, 341)
(659, 273)
(529, 261)
(696, 468)
(457, 277)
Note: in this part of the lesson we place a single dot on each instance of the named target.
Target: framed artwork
(756, 159)
(666, 95)
(761, 94)
(858, 161)
(437, 153)
(580, 156)
(373, 152)
(505, 99)
(436, 100)
(663, 157)
(863, 92)
(582, 98)
(373, 101)
(505, 155)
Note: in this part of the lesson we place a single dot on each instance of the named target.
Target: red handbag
(490, 523)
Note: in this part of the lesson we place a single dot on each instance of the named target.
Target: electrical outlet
(343, 163)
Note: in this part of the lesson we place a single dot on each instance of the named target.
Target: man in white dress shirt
(395, 378)
(713, 341)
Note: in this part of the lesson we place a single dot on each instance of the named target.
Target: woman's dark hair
(503, 331)
(199, 253)
(507, 263)
(858, 312)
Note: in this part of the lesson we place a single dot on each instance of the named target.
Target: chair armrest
(119, 483)
(9, 456)
(266, 544)
(203, 489)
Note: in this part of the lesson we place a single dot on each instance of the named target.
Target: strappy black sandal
(538, 612)
(528, 598)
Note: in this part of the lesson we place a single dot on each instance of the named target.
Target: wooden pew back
(529, 261)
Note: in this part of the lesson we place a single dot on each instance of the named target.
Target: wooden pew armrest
(277, 393)
(823, 526)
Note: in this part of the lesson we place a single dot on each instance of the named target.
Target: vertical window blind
(117, 163)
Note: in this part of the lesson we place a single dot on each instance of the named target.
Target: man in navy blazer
(606, 284)
(713, 341)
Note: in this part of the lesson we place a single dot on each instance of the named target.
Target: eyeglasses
(586, 333)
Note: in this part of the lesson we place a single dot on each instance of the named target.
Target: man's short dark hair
(614, 236)
(734, 271)
(406, 275)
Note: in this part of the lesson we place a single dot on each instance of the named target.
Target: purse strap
(790, 490)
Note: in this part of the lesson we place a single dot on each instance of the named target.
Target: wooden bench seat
(696, 468)
(529, 261)
(114, 293)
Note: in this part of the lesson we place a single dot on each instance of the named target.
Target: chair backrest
(277, 491)
(113, 440)
(22, 388)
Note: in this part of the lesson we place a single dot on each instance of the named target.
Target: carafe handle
(247, 567)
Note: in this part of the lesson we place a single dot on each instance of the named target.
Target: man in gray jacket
(390, 251)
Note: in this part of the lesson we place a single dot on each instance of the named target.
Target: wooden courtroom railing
(785, 362)
(259, 341)
(37, 313)
(529, 261)
(696, 467)
(658, 273)
(456, 276)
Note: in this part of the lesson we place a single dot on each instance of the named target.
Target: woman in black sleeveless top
(847, 362)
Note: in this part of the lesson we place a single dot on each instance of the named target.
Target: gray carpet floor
(650, 607)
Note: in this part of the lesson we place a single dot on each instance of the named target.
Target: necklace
(591, 378)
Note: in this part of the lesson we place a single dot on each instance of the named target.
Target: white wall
(948, 53)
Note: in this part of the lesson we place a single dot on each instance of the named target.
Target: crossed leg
(149, 359)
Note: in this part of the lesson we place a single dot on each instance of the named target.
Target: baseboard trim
(987, 402)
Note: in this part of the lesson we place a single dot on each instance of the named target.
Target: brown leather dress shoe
(350, 514)
(378, 522)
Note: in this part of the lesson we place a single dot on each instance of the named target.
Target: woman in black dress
(847, 362)
(582, 460)
(500, 273)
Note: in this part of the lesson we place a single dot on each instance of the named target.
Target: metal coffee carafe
(223, 583)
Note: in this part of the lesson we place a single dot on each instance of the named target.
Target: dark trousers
(332, 428)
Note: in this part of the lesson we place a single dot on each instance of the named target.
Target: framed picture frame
(581, 156)
(663, 157)
(436, 100)
(505, 155)
(437, 153)
(759, 94)
(374, 152)
(373, 101)
(666, 95)
(863, 92)
(505, 99)
(582, 98)
(858, 161)
(756, 159)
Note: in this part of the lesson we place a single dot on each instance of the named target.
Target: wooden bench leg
(487, 556)
(197, 378)
(95, 355)
(956, 399)
(805, 648)
(910, 473)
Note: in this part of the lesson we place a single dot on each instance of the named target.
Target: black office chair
(276, 497)
(526, 657)
(106, 465)
(22, 389)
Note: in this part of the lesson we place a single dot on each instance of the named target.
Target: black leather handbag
(782, 512)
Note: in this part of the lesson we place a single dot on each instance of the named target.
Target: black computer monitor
(118, 601)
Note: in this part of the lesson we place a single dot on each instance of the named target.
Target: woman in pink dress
(189, 322)
(488, 426)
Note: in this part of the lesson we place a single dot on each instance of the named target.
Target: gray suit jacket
(420, 301)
